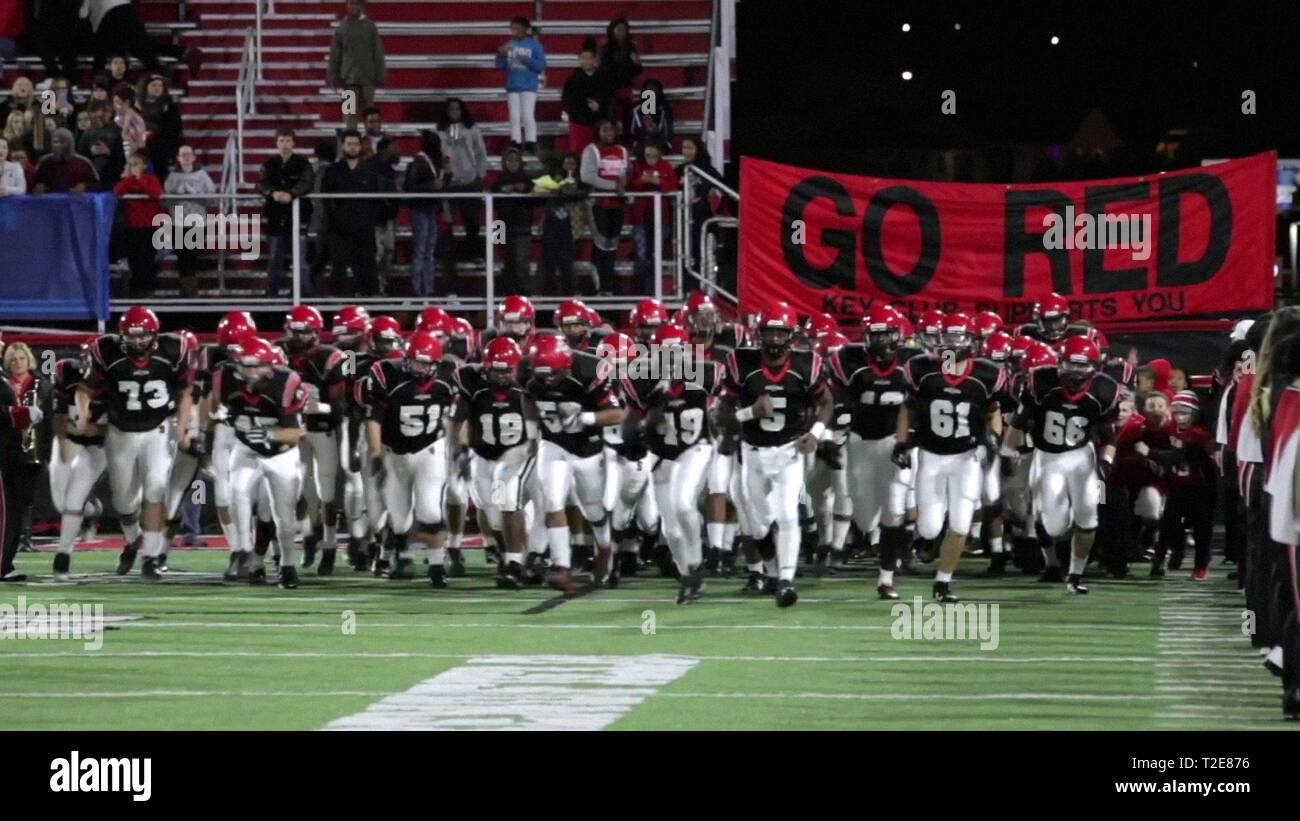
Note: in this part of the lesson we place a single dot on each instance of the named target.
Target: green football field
(354, 651)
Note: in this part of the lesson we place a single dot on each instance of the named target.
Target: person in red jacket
(1142, 434)
(140, 228)
(649, 173)
(1189, 487)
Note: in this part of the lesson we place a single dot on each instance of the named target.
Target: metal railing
(703, 269)
(663, 261)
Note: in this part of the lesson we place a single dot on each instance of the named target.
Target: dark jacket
(387, 209)
(616, 60)
(109, 166)
(350, 217)
(423, 177)
(582, 86)
(517, 214)
(294, 176)
(163, 119)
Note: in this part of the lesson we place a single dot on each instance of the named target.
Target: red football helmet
(594, 319)
(302, 327)
(423, 351)
(384, 335)
(987, 323)
(928, 326)
(432, 319)
(1020, 346)
(618, 347)
(350, 323)
(820, 324)
(551, 356)
(671, 335)
(1053, 315)
(957, 333)
(572, 311)
(648, 315)
(701, 314)
(460, 326)
(515, 308)
(776, 327)
(882, 329)
(1038, 355)
(831, 342)
(234, 325)
(1080, 359)
(139, 328)
(500, 360)
(256, 358)
(998, 347)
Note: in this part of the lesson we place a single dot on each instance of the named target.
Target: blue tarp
(54, 256)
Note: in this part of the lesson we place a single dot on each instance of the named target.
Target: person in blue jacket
(524, 60)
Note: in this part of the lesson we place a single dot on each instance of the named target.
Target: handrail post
(489, 288)
(258, 45)
(659, 246)
(297, 252)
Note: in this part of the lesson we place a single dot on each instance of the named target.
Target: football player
(676, 412)
(928, 327)
(143, 377)
(1070, 409)
(871, 374)
(629, 464)
(321, 369)
(573, 320)
(516, 319)
(409, 409)
(953, 404)
(460, 343)
(352, 336)
(77, 460)
(646, 318)
(571, 397)
(265, 410)
(1051, 321)
(824, 477)
(987, 323)
(213, 417)
(385, 342)
(775, 393)
(489, 414)
(185, 461)
(455, 351)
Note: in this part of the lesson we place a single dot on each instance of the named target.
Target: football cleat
(455, 564)
(728, 568)
(310, 544)
(403, 569)
(380, 567)
(713, 561)
(354, 554)
(602, 564)
(256, 570)
(886, 592)
(161, 563)
(1052, 574)
(534, 569)
(149, 569)
(769, 585)
(785, 593)
(326, 566)
(942, 591)
(998, 564)
(288, 577)
(62, 563)
(925, 550)
(628, 563)
(232, 569)
(1175, 559)
(1200, 574)
(437, 575)
(560, 579)
(1157, 569)
(512, 578)
(1273, 661)
(754, 584)
(1074, 585)
(127, 559)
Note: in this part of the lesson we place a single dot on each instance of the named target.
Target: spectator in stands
(20, 370)
(621, 62)
(1162, 372)
(586, 97)
(523, 59)
(16, 130)
(356, 60)
(140, 253)
(162, 120)
(324, 156)
(12, 179)
(350, 223)
(566, 193)
(1178, 379)
(652, 118)
(53, 25)
(650, 173)
(118, 31)
(374, 130)
(385, 162)
(189, 178)
(1189, 486)
(285, 177)
(425, 175)
(696, 154)
(18, 155)
(102, 143)
(84, 122)
(37, 139)
(135, 135)
(22, 98)
(604, 170)
(517, 214)
(465, 154)
(62, 171)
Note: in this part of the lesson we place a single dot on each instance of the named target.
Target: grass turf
(194, 653)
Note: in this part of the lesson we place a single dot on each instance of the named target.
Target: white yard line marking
(523, 693)
(164, 654)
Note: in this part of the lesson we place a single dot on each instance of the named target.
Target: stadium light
(1056, 40)
(907, 75)
(907, 27)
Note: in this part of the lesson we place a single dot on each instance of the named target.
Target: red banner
(1182, 243)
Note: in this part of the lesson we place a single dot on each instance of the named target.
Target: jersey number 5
(775, 422)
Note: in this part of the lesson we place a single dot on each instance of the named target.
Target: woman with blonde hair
(20, 370)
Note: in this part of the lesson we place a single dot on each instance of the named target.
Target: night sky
(822, 87)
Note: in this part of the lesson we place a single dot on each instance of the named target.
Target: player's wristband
(587, 418)
(818, 430)
(744, 414)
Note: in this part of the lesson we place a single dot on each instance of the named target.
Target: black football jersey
(321, 368)
(409, 408)
(873, 394)
(277, 403)
(586, 388)
(1031, 330)
(211, 357)
(1060, 420)
(140, 394)
(67, 376)
(951, 411)
(685, 405)
(634, 393)
(795, 388)
(496, 418)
